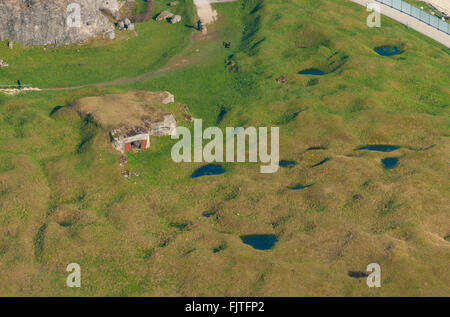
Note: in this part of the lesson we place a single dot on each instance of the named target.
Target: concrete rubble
(165, 15)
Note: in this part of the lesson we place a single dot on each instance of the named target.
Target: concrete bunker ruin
(127, 139)
(131, 118)
(130, 140)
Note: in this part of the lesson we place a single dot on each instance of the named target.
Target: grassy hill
(132, 53)
(63, 198)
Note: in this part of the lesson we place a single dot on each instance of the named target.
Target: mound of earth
(131, 109)
(45, 22)
(131, 118)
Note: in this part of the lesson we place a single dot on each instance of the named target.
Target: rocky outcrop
(175, 19)
(165, 15)
(125, 24)
(45, 22)
(169, 17)
(167, 98)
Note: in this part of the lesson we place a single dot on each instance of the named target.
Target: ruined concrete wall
(119, 142)
(164, 128)
(124, 135)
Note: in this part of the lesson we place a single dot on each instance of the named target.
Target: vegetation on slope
(147, 236)
(132, 53)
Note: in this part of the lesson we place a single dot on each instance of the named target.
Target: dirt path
(123, 81)
(175, 62)
(206, 14)
(205, 11)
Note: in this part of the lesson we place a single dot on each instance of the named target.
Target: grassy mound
(146, 235)
(129, 109)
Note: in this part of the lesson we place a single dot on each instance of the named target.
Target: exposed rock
(169, 98)
(164, 16)
(173, 3)
(111, 35)
(188, 117)
(10, 44)
(126, 24)
(3, 63)
(45, 22)
(175, 19)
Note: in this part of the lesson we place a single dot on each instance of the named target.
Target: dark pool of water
(208, 214)
(219, 248)
(357, 274)
(222, 114)
(210, 169)
(379, 148)
(387, 50)
(287, 164)
(312, 71)
(180, 226)
(260, 241)
(389, 162)
(316, 148)
(299, 187)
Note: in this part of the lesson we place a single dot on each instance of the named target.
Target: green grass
(146, 235)
(128, 55)
(140, 7)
